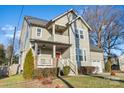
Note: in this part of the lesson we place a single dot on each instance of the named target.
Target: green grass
(11, 81)
(76, 81)
(92, 82)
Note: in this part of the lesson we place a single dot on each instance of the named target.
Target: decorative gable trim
(80, 17)
(71, 10)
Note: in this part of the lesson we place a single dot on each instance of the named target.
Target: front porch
(48, 54)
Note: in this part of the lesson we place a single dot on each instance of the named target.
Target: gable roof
(46, 23)
(36, 21)
(71, 10)
(82, 19)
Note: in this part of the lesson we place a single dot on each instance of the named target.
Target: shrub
(66, 70)
(37, 74)
(87, 70)
(28, 65)
(45, 72)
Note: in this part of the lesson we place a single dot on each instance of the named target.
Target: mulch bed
(36, 83)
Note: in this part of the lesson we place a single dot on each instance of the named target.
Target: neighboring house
(121, 62)
(66, 38)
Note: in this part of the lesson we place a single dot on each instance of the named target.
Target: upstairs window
(79, 34)
(39, 32)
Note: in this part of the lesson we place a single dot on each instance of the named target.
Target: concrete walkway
(118, 77)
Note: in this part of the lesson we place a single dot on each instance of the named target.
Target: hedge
(86, 70)
(45, 72)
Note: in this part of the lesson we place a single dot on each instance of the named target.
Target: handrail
(68, 62)
(71, 64)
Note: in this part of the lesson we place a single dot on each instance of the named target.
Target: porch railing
(67, 62)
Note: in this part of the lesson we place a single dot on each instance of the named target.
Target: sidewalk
(119, 76)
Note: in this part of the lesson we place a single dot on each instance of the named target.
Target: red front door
(58, 55)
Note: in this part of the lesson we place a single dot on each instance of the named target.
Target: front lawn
(82, 81)
(92, 82)
(17, 81)
(11, 81)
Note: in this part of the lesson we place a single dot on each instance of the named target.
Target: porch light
(44, 46)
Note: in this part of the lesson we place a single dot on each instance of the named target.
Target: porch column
(35, 61)
(36, 48)
(53, 31)
(54, 51)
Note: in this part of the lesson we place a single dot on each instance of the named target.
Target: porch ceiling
(48, 42)
(58, 28)
(49, 45)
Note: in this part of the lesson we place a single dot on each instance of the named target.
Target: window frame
(37, 31)
(78, 33)
(80, 53)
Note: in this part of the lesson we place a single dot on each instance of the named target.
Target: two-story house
(65, 38)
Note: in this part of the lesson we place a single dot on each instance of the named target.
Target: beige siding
(65, 19)
(84, 43)
(45, 35)
(97, 56)
(66, 54)
(24, 42)
(62, 39)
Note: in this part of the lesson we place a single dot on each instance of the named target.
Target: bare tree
(2, 54)
(9, 53)
(107, 23)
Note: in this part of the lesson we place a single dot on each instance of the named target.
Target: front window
(39, 31)
(81, 54)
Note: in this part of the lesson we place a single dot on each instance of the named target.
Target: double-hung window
(81, 54)
(39, 32)
(79, 34)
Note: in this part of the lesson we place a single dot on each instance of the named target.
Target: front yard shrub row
(45, 72)
(28, 65)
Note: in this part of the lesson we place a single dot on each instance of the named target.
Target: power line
(16, 28)
(20, 16)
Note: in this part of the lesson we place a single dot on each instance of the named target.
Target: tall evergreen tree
(28, 65)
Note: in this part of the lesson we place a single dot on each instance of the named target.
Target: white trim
(82, 20)
(82, 50)
(78, 32)
(78, 16)
(64, 14)
(85, 22)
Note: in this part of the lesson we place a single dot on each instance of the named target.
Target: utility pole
(13, 43)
